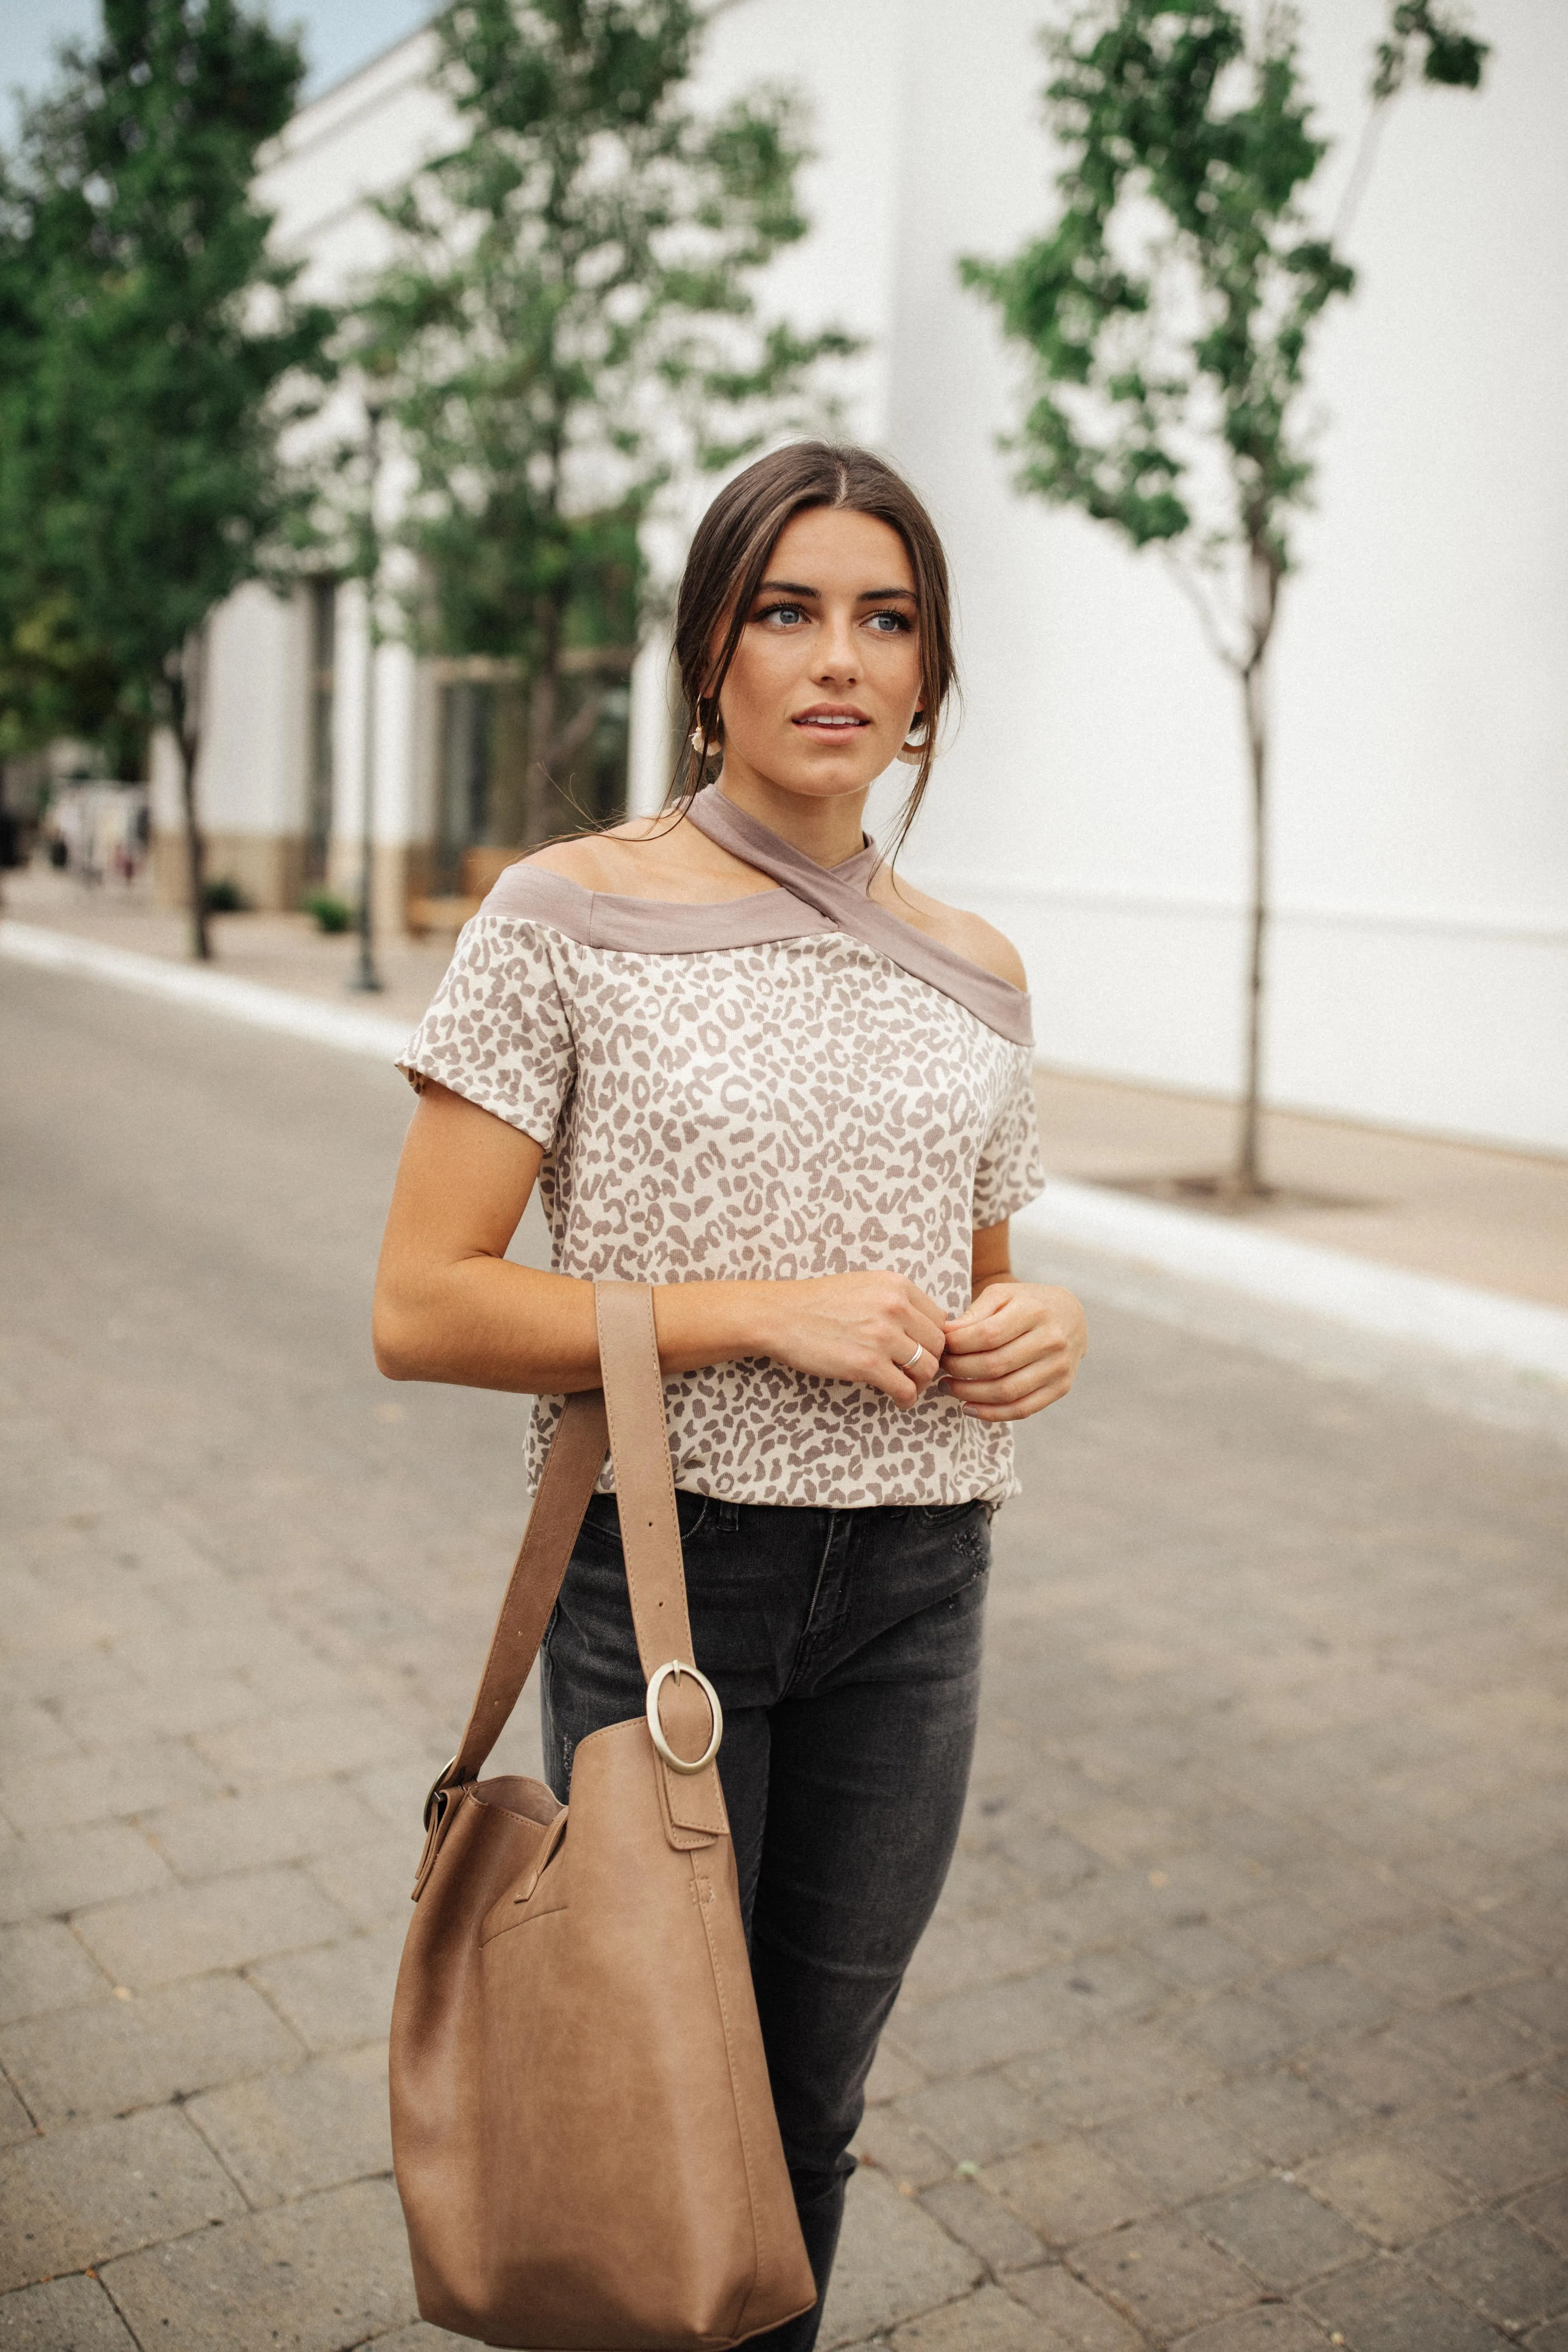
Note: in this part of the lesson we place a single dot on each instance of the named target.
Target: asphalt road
(1242, 2024)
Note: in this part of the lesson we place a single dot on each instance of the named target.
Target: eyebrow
(799, 588)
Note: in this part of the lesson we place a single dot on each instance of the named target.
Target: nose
(835, 654)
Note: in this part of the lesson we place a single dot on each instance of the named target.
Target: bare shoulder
(967, 935)
(608, 862)
(659, 858)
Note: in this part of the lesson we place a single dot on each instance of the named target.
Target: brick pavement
(1242, 2026)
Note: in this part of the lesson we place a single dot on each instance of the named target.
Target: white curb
(347, 1026)
(1357, 1292)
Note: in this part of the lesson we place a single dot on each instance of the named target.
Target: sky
(338, 36)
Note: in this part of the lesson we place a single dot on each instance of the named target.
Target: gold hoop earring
(910, 752)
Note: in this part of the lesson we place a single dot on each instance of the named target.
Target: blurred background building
(1092, 802)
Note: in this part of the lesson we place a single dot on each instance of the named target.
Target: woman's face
(823, 686)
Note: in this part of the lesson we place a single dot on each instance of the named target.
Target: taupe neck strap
(627, 1414)
(847, 906)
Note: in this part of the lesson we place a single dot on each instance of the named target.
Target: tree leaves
(152, 338)
(1451, 58)
(1168, 313)
(1176, 290)
(572, 319)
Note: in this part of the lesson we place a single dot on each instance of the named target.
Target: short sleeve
(497, 1032)
(1010, 1172)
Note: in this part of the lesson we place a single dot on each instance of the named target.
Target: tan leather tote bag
(581, 2127)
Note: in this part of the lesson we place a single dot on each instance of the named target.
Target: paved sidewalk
(1498, 1220)
(1242, 2026)
(1461, 1211)
(279, 951)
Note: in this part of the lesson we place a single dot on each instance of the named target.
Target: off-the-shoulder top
(789, 1084)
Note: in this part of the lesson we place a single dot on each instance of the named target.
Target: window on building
(324, 624)
(491, 804)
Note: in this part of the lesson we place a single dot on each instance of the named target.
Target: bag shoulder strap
(571, 1472)
(627, 1414)
(644, 1483)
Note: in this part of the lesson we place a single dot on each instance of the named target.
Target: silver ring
(920, 1351)
(656, 1684)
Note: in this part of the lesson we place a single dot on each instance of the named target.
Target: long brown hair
(730, 555)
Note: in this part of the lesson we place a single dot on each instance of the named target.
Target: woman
(746, 1064)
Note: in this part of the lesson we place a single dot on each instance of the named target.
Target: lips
(831, 721)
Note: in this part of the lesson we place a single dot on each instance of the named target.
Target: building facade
(1093, 799)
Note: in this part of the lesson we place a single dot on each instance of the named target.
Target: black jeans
(845, 1647)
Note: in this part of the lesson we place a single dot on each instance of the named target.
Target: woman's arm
(1018, 1348)
(450, 1306)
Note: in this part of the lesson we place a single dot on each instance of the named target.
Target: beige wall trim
(269, 867)
(397, 869)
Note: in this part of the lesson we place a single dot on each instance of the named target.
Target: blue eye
(902, 622)
(781, 613)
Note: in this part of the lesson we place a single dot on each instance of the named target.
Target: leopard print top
(749, 1091)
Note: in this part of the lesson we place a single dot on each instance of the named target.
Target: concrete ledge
(1360, 1293)
(1386, 1300)
(353, 1028)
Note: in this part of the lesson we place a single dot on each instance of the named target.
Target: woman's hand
(855, 1327)
(450, 1305)
(1016, 1350)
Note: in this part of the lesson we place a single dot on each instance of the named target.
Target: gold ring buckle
(656, 1684)
(439, 1790)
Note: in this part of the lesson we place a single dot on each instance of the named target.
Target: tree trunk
(366, 977)
(195, 852)
(1247, 1177)
(184, 708)
(543, 702)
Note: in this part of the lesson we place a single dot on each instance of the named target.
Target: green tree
(1168, 317)
(567, 327)
(161, 341)
(51, 682)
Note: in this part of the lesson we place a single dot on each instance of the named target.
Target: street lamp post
(366, 977)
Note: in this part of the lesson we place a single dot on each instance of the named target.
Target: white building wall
(252, 766)
(398, 815)
(1093, 801)
(849, 63)
(362, 139)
